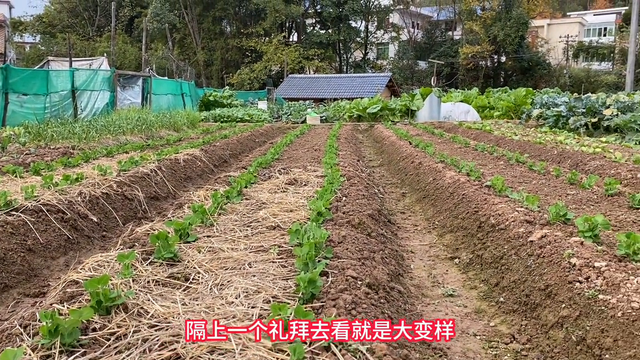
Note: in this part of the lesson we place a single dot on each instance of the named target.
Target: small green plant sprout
(611, 186)
(6, 200)
(481, 147)
(559, 213)
(296, 350)
(125, 259)
(182, 229)
(104, 298)
(569, 254)
(592, 294)
(497, 183)
(13, 170)
(201, 212)
(165, 246)
(449, 292)
(65, 330)
(619, 157)
(48, 182)
(573, 177)
(629, 245)
(29, 192)
(589, 182)
(12, 354)
(37, 168)
(635, 159)
(531, 202)
(103, 170)
(589, 227)
(634, 201)
(557, 172)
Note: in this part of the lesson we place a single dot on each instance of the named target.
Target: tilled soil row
(548, 187)
(584, 163)
(60, 234)
(518, 259)
(367, 272)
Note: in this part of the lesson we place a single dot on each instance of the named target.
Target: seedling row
(66, 331)
(308, 240)
(49, 182)
(605, 146)
(611, 186)
(589, 227)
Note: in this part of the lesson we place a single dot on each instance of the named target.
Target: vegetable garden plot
(581, 162)
(243, 252)
(57, 176)
(522, 259)
(93, 221)
(582, 205)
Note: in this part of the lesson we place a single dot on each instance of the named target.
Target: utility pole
(633, 36)
(568, 40)
(144, 45)
(113, 34)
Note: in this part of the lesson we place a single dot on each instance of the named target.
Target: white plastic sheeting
(60, 63)
(434, 110)
(458, 111)
(129, 91)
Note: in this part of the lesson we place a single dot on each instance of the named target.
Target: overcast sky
(26, 7)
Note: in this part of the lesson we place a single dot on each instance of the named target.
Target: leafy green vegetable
(125, 259)
(12, 354)
(559, 213)
(629, 245)
(589, 182)
(611, 186)
(589, 227)
(103, 297)
(65, 330)
(573, 177)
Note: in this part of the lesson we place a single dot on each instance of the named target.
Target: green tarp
(35, 95)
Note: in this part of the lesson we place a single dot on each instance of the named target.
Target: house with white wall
(595, 26)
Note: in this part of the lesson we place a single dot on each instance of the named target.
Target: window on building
(598, 32)
(382, 51)
(413, 24)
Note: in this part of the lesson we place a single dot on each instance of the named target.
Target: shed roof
(334, 86)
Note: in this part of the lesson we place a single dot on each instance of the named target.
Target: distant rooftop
(334, 86)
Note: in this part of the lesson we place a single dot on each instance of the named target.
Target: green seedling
(103, 298)
(125, 259)
(6, 200)
(66, 331)
(37, 168)
(557, 172)
(182, 229)
(573, 177)
(611, 186)
(497, 183)
(103, 170)
(589, 182)
(532, 202)
(629, 245)
(559, 213)
(13, 170)
(29, 192)
(165, 246)
(634, 201)
(12, 354)
(589, 227)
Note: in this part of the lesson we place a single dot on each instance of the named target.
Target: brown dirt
(72, 230)
(582, 162)
(521, 264)
(368, 272)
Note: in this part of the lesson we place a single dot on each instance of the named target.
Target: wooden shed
(332, 87)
